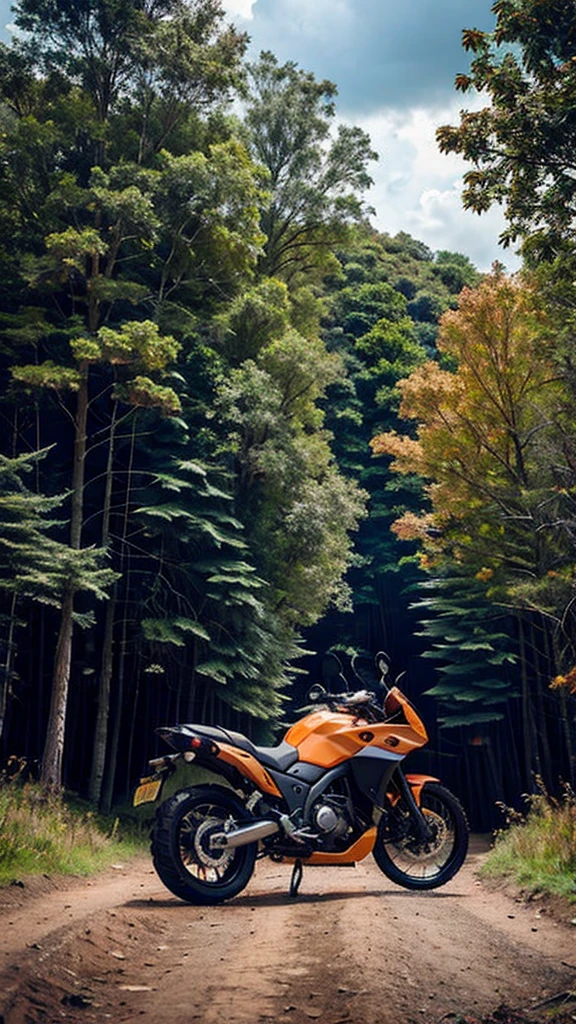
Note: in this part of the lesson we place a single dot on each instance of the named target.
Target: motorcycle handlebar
(358, 697)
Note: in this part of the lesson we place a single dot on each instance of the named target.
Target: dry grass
(537, 850)
(47, 835)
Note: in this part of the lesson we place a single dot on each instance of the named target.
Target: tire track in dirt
(352, 949)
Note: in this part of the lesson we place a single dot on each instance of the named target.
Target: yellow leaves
(428, 392)
(567, 682)
(412, 527)
(482, 430)
(408, 455)
(484, 574)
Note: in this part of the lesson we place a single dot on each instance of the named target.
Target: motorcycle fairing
(327, 738)
(359, 849)
(372, 769)
(249, 767)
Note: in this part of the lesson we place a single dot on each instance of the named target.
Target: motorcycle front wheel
(415, 863)
(183, 856)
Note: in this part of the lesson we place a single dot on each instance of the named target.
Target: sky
(394, 63)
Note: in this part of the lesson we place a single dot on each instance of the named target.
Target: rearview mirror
(316, 693)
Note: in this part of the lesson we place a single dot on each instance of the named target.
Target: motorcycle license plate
(147, 791)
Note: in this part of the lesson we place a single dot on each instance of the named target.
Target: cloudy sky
(394, 63)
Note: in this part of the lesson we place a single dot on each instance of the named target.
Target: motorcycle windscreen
(372, 769)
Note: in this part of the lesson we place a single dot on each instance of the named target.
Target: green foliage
(253, 320)
(520, 142)
(301, 509)
(316, 182)
(171, 54)
(136, 342)
(34, 565)
(470, 640)
(48, 836)
(368, 327)
(209, 608)
(46, 375)
(538, 850)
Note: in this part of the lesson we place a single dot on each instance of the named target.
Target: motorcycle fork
(406, 794)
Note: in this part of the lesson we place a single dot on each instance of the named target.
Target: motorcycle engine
(330, 816)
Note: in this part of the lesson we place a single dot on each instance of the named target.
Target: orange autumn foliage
(476, 425)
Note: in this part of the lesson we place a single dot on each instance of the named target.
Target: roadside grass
(47, 835)
(537, 850)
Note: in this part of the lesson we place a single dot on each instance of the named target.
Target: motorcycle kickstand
(296, 878)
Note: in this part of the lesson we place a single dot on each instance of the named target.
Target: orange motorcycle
(331, 792)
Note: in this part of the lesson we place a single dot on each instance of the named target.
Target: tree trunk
(103, 712)
(132, 729)
(51, 773)
(110, 773)
(526, 707)
(545, 766)
(10, 648)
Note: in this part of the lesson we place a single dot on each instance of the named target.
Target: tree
(297, 507)
(168, 54)
(481, 427)
(492, 439)
(523, 144)
(36, 567)
(112, 237)
(473, 647)
(316, 181)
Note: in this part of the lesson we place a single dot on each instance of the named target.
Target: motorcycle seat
(279, 758)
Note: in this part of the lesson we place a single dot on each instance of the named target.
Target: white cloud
(241, 8)
(418, 189)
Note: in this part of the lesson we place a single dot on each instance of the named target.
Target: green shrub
(537, 850)
(46, 835)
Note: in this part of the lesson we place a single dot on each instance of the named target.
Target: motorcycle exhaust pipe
(244, 834)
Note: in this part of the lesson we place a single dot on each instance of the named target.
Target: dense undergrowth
(537, 850)
(49, 835)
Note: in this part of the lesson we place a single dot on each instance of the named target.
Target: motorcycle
(331, 792)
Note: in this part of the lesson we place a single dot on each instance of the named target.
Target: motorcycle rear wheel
(183, 857)
(415, 864)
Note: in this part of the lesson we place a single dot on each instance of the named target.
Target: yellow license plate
(147, 791)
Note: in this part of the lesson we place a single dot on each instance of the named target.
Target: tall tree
(522, 144)
(316, 180)
(104, 242)
(492, 440)
(169, 54)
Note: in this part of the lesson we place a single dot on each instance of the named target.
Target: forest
(240, 426)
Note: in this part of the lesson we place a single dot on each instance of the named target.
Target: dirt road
(352, 949)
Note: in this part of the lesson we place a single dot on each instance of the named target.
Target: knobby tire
(192, 871)
(414, 865)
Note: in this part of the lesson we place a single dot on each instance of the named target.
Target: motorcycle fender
(417, 783)
(150, 787)
(249, 767)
